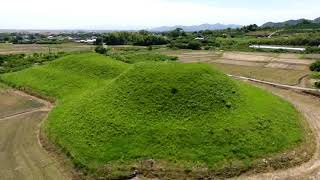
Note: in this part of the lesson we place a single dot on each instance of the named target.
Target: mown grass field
(113, 118)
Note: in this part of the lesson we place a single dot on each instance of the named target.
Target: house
(91, 41)
(199, 38)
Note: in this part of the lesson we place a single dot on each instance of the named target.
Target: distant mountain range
(217, 26)
(290, 23)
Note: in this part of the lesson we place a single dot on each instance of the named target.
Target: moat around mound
(111, 116)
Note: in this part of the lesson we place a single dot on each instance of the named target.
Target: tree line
(141, 38)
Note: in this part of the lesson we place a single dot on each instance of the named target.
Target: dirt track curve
(21, 155)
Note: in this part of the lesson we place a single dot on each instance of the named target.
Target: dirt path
(282, 86)
(303, 81)
(21, 155)
(310, 107)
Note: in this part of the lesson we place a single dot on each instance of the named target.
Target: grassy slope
(185, 114)
(69, 75)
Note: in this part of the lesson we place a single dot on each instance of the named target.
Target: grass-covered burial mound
(158, 117)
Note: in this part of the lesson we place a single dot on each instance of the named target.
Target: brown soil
(282, 76)
(11, 104)
(42, 48)
(21, 155)
(275, 61)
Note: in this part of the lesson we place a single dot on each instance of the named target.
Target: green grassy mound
(112, 116)
(68, 76)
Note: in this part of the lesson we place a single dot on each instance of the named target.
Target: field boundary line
(276, 84)
(23, 113)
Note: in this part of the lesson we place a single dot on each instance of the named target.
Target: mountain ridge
(217, 26)
(289, 22)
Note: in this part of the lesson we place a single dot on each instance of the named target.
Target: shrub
(313, 50)
(132, 58)
(207, 47)
(178, 45)
(317, 84)
(194, 45)
(17, 62)
(315, 66)
(315, 75)
(100, 50)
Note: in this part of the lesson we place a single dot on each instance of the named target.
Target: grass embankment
(113, 118)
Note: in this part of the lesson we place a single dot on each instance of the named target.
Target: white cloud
(132, 13)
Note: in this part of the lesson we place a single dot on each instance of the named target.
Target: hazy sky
(132, 14)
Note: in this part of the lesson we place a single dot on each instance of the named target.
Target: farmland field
(284, 76)
(280, 68)
(43, 48)
(159, 118)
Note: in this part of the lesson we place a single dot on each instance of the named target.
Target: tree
(99, 41)
(251, 27)
(177, 33)
(143, 32)
(142, 38)
(315, 66)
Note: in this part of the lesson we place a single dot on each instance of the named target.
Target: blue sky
(136, 14)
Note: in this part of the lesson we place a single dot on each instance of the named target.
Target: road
(21, 155)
